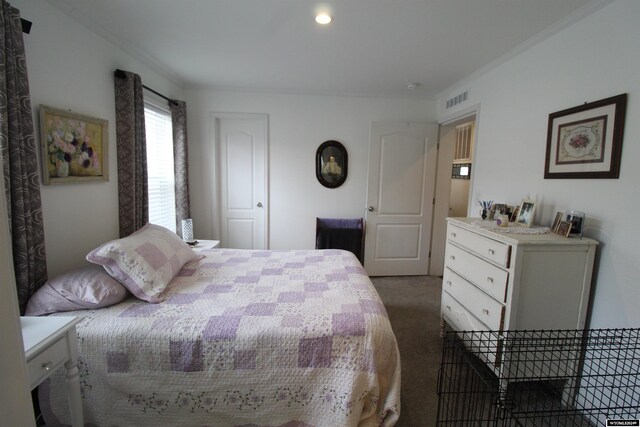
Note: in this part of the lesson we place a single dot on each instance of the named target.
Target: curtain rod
(121, 75)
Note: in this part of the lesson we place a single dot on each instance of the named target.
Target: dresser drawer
(491, 279)
(480, 305)
(484, 247)
(459, 317)
(50, 359)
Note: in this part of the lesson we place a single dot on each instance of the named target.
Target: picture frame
(526, 213)
(331, 164)
(563, 228)
(586, 141)
(75, 147)
(496, 210)
(514, 215)
(556, 220)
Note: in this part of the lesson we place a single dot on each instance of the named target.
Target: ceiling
(372, 47)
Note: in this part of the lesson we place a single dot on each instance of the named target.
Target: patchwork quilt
(245, 338)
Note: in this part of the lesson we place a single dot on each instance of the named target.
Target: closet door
(242, 148)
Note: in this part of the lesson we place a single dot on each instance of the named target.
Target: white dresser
(497, 281)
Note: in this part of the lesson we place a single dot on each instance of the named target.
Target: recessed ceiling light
(323, 18)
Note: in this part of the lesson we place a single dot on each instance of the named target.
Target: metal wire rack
(539, 378)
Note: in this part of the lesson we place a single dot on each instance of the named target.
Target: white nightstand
(206, 244)
(50, 343)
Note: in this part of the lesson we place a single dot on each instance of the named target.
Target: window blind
(161, 180)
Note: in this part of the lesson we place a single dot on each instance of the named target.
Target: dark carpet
(413, 305)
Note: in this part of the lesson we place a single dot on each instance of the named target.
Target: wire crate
(539, 378)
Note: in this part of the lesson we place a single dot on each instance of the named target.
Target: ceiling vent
(458, 99)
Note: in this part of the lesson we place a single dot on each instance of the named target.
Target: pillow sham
(144, 262)
(86, 288)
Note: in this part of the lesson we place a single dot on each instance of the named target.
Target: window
(162, 198)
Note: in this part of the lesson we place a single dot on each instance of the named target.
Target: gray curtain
(181, 167)
(133, 196)
(19, 159)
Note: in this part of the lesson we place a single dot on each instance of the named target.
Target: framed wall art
(331, 164)
(74, 147)
(586, 141)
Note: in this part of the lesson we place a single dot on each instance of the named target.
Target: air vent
(458, 99)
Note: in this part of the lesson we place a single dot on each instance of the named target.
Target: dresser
(50, 343)
(496, 281)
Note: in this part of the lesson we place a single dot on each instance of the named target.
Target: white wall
(72, 68)
(298, 124)
(590, 60)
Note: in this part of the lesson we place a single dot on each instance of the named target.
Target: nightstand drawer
(491, 279)
(484, 247)
(479, 304)
(47, 361)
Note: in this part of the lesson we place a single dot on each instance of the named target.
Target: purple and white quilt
(245, 338)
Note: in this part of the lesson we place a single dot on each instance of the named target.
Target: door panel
(240, 177)
(402, 158)
(401, 193)
(399, 241)
(242, 148)
(240, 233)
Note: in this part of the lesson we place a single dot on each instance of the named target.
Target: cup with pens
(486, 206)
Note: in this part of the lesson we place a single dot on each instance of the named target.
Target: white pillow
(144, 262)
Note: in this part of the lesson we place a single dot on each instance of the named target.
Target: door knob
(370, 209)
(259, 204)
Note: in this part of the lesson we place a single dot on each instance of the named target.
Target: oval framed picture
(331, 164)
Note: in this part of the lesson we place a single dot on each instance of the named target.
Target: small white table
(206, 244)
(49, 343)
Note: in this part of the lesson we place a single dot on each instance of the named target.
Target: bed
(241, 338)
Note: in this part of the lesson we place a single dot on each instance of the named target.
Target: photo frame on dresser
(563, 228)
(556, 221)
(525, 213)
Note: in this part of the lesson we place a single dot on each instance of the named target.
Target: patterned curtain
(181, 166)
(133, 196)
(19, 159)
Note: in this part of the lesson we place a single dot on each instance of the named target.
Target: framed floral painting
(74, 147)
(586, 141)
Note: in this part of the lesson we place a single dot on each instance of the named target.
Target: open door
(453, 183)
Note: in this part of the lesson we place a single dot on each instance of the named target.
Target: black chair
(338, 233)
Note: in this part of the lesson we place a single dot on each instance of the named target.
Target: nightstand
(206, 244)
(50, 343)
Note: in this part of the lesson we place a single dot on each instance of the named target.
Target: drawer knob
(452, 257)
(47, 366)
(492, 252)
(453, 235)
(485, 311)
(449, 283)
(490, 279)
(449, 307)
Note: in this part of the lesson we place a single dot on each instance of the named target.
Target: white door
(402, 163)
(452, 195)
(242, 148)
